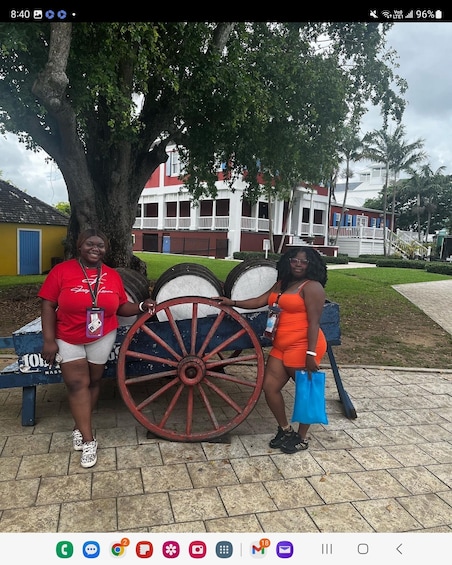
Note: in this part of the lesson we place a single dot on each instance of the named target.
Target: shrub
(242, 255)
(439, 268)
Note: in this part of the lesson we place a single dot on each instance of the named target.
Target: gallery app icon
(170, 549)
(91, 549)
(197, 549)
(223, 549)
(64, 549)
(284, 549)
(144, 549)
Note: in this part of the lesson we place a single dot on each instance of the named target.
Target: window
(173, 164)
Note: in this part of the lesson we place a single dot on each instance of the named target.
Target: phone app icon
(64, 549)
(197, 549)
(284, 549)
(223, 549)
(91, 549)
(170, 549)
(144, 549)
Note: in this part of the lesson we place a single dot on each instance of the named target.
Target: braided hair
(316, 270)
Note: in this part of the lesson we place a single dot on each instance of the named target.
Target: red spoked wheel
(178, 377)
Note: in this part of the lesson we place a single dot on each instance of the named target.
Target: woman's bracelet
(313, 353)
(235, 302)
(140, 307)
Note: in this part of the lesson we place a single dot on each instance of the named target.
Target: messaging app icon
(91, 549)
(284, 549)
(64, 549)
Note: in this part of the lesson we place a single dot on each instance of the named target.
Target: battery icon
(438, 14)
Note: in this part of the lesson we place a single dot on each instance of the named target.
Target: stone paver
(389, 470)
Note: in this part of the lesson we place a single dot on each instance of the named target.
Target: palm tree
(424, 185)
(351, 150)
(381, 146)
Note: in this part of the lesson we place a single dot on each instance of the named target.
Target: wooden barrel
(186, 279)
(136, 286)
(250, 278)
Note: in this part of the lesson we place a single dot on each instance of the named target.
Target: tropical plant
(350, 150)
(393, 150)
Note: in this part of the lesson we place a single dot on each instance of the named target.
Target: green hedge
(439, 267)
(242, 255)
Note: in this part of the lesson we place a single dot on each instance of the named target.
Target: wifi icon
(387, 14)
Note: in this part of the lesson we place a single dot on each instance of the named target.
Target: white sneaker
(77, 440)
(89, 455)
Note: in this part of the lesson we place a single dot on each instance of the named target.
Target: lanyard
(94, 292)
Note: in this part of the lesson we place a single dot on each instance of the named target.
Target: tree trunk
(103, 191)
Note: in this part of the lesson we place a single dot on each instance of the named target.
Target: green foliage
(64, 208)
(440, 268)
(262, 97)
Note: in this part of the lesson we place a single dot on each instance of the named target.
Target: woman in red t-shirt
(81, 299)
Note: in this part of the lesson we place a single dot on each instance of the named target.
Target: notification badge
(197, 549)
(144, 549)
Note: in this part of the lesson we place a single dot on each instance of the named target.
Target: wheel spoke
(155, 337)
(211, 333)
(231, 379)
(147, 357)
(171, 405)
(209, 408)
(175, 331)
(225, 362)
(159, 393)
(224, 396)
(194, 328)
(225, 343)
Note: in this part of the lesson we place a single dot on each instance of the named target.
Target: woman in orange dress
(298, 341)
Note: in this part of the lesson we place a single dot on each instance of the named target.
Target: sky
(424, 61)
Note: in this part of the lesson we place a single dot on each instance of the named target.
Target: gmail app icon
(284, 549)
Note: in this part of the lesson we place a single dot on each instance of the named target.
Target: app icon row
(171, 549)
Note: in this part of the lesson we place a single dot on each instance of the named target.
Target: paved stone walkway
(388, 470)
(434, 298)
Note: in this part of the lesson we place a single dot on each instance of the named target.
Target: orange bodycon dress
(291, 340)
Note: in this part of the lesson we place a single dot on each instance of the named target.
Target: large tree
(103, 101)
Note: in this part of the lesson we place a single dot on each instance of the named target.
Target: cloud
(31, 172)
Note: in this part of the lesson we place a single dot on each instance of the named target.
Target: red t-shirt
(67, 285)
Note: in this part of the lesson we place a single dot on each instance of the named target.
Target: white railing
(145, 223)
(356, 232)
(314, 229)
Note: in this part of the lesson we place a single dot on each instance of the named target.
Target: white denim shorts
(96, 352)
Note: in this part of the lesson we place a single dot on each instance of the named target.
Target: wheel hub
(191, 370)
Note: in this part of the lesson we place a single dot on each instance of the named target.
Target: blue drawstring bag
(309, 404)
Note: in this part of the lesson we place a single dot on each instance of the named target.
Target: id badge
(272, 321)
(94, 322)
